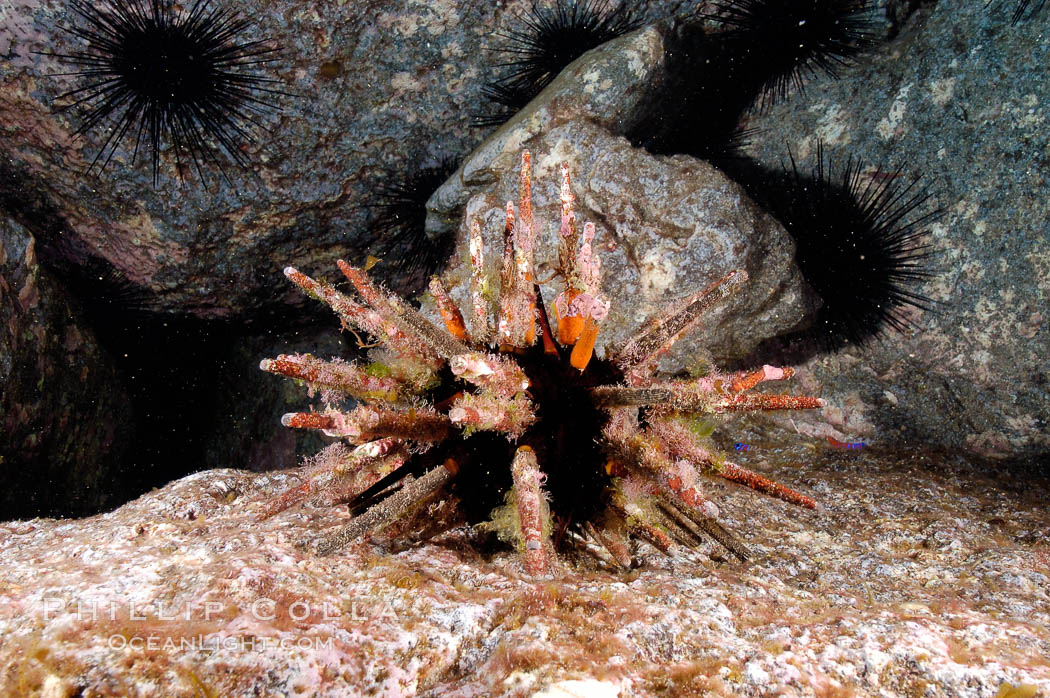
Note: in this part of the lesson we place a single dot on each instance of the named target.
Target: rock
(185, 589)
(958, 97)
(666, 226)
(358, 106)
(64, 421)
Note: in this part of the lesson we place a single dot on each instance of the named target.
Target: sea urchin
(440, 411)
(775, 45)
(551, 39)
(181, 76)
(399, 207)
(860, 243)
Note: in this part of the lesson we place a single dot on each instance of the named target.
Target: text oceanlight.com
(210, 643)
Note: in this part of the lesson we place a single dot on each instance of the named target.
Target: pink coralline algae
(512, 422)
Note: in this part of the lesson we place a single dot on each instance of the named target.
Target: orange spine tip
(569, 330)
(570, 326)
(449, 310)
(746, 381)
(584, 349)
(549, 347)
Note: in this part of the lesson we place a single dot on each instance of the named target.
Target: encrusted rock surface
(922, 576)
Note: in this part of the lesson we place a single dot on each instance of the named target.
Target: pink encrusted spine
(492, 413)
(591, 268)
(355, 315)
(582, 299)
(405, 317)
(650, 454)
(614, 543)
(638, 522)
(525, 234)
(308, 420)
(714, 394)
(355, 475)
(652, 535)
(508, 282)
(336, 375)
(531, 508)
(496, 381)
(760, 483)
(497, 373)
(761, 401)
(682, 444)
(337, 474)
(518, 300)
(368, 422)
(480, 326)
(568, 233)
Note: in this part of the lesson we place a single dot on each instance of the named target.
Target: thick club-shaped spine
(335, 375)
(636, 355)
(492, 413)
(356, 316)
(531, 509)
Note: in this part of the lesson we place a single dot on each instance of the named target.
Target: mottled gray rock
(960, 97)
(941, 591)
(665, 226)
(375, 85)
(63, 412)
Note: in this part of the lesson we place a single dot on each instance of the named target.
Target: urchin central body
(600, 450)
(565, 434)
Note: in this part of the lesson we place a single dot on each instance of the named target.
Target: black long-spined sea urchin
(1025, 9)
(399, 206)
(860, 245)
(178, 76)
(777, 44)
(551, 39)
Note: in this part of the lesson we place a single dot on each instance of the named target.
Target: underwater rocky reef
(141, 286)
